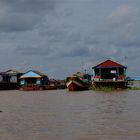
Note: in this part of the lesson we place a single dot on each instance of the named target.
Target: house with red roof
(109, 72)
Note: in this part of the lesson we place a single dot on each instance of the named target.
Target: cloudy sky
(60, 37)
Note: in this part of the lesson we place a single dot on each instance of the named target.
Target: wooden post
(93, 72)
(117, 72)
(100, 73)
(124, 71)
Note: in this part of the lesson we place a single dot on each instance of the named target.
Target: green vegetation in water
(134, 88)
(104, 89)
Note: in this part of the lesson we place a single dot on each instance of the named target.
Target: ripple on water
(57, 114)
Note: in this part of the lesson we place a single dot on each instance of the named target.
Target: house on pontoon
(109, 73)
(9, 79)
(14, 76)
(33, 80)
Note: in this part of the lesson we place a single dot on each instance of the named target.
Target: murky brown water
(62, 115)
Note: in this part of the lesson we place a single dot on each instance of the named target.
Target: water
(62, 115)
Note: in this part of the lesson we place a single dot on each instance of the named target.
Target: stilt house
(109, 73)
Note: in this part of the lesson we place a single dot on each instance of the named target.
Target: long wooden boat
(76, 83)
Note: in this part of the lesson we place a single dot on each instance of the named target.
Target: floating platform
(8, 86)
(112, 84)
(42, 87)
(33, 88)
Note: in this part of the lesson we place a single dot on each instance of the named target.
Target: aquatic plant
(134, 88)
(103, 88)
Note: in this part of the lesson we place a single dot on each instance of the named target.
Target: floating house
(33, 80)
(136, 82)
(14, 76)
(4, 77)
(136, 78)
(4, 81)
(109, 73)
(9, 80)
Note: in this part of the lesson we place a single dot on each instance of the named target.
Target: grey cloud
(23, 15)
(121, 27)
(65, 33)
(17, 22)
(29, 6)
(131, 53)
(91, 39)
(123, 15)
(127, 36)
(33, 50)
(75, 51)
(55, 35)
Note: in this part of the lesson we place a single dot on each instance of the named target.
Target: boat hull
(73, 85)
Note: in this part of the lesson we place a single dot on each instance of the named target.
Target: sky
(61, 37)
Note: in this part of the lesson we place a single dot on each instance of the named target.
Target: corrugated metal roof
(33, 74)
(108, 64)
(12, 71)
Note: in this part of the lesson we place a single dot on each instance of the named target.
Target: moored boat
(78, 81)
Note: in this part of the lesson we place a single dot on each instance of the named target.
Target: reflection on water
(62, 115)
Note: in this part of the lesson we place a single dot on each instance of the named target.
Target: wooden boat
(78, 82)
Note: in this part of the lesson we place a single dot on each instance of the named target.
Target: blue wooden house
(33, 80)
